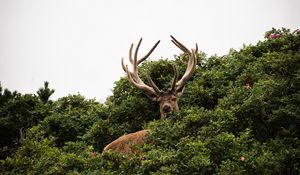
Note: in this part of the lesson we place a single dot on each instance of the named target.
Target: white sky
(77, 45)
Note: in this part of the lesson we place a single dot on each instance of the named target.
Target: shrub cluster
(239, 115)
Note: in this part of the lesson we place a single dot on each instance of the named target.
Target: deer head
(168, 100)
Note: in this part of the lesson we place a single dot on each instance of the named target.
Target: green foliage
(18, 113)
(45, 92)
(72, 117)
(239, 115)
(39, 155)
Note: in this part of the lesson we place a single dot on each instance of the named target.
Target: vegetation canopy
(239, 115)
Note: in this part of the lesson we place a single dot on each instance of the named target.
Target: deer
(167, 100)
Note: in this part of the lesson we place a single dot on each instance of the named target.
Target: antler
(133, 76)
(178, 86)
(152, 89)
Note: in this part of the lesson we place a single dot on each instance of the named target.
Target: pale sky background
(77, 45)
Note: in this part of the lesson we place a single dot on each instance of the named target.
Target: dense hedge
(239, 115)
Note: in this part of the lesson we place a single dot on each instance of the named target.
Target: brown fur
(126, 143)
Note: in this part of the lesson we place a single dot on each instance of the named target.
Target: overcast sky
(77, 45)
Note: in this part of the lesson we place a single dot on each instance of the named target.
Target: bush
(239, 115)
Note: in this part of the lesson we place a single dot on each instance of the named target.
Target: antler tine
(135, 62)
(143, 58)
(123, 65)
(179, 45)
(175, 79)
(138, 85)
(130, 57)
(149, 53)
(133, 76)
(152, 84)
(191, 63)
(130, 54)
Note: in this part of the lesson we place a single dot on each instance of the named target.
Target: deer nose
(167, 109)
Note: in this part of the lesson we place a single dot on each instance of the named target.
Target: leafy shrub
(72, 117)
(239, 115)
